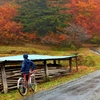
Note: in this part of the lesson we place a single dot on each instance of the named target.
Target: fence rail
(10, 72)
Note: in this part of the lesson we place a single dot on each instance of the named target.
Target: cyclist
(27, 65)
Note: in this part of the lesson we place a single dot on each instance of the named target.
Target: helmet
(25, 56)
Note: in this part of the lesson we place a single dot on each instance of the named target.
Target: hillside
(36, 23)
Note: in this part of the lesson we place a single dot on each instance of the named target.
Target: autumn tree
(55, 39)
(8, 27)
(77, 35)
(7, 12)
(87, 14)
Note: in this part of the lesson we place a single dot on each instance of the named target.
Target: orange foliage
(9, 29)
(52, 38)
(87, 14)
(30, 36)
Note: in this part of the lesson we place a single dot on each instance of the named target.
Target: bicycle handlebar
(32, 72)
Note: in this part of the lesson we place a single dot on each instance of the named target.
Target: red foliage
(57, 39)
(7, 26)
(30, 36)
(87, 14)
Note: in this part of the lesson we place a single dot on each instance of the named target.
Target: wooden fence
(10, 71)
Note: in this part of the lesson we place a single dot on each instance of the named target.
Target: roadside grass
(40, 49)
(33, 49)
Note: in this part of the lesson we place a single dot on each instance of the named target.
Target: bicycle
(22, 85)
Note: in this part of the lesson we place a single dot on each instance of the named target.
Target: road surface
(83, 88)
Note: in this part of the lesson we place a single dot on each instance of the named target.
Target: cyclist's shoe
(24, 90)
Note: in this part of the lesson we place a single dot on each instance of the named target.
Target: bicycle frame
(30, 76)
(23, 83)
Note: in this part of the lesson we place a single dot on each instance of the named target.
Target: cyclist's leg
(21, 86)
(24, 89)
(25, 85)
(26, 79)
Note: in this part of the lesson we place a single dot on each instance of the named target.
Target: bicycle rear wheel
(21, 86)
(33, 84)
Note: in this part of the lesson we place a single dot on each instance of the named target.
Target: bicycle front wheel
(33, 84)
(21, 86)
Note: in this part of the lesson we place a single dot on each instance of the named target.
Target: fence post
(4, 78)
(46, 70)
(76, 64)
(70, 64)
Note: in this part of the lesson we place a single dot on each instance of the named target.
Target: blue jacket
(27, 65)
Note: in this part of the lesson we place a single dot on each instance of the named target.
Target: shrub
(86, 61)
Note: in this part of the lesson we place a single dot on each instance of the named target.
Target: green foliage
(95, 40)
(35, 15)
(86, 61)
(73, 47)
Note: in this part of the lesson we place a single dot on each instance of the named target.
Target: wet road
(84, 88)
